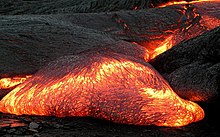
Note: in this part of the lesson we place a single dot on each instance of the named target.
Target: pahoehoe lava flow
(104, 85)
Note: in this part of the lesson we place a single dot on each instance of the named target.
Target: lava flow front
(103, 85)
(112, 86)
(7, 83)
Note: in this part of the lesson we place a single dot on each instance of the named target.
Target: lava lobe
(104, 85)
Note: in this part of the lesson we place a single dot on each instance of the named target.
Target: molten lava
(193, 22)
(186, 2)
(104, 85)
(112, 86)
(156, 47)
(6, 83)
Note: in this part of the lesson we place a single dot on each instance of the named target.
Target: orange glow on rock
(165, 45)
(193, 22)
(6, 83)
(103, 85)
(185, 2)
(209, 22)
(156, 47)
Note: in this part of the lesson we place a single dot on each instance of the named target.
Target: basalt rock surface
(73, 6)
(28, 42)
(193, 67)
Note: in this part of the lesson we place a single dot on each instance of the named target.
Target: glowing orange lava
(6, 83)
(156, 47)
(103, 85)
(193, 22)
(185, 2)
(111, 86)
